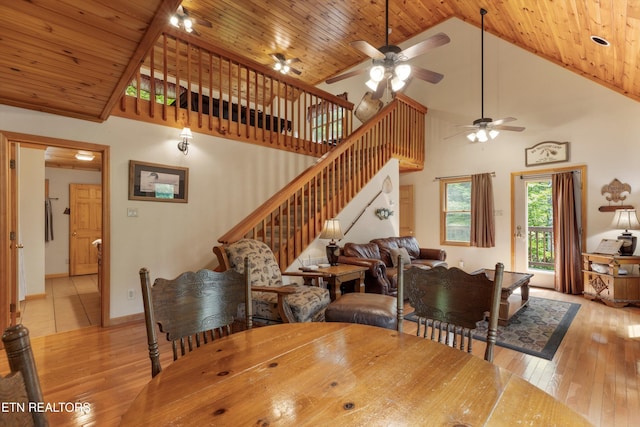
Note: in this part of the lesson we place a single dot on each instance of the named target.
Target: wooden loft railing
(293, 217)
(218, 93)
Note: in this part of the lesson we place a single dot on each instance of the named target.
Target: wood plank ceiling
(74, 57)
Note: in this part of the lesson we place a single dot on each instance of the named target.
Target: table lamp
(626, 219)
(332, 231)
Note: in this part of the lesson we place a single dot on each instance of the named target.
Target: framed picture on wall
(158, 183)
(547, 152)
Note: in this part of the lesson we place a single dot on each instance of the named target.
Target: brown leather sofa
(381, 277)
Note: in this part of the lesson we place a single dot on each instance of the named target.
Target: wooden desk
(336, 275)
(511, 304)
(342, 374)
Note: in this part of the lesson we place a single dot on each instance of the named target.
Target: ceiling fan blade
(379, 90)
(426, 75)
(293, 60)
(346, 75)
(505, 120)
(512, 128)
(295, 71)
(426, 45)
(456, 134)
(367, 49)
(198, 20)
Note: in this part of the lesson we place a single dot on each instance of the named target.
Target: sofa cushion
(385, 245)
(395, 252)
(361, 250)
(429, 262)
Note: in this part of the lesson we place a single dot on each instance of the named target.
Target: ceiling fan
(485, 128)
(283, 64)
(183, 19)
(390, 66)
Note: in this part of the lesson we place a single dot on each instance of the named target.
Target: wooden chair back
(448, 304)
(22, 385)
(194, 308)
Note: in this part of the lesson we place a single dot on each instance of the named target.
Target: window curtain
(483, 225)
(568, 277)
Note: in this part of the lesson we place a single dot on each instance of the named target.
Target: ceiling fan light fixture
(285, 69)
(188, 24)
(493, 133)
(396, 84)
(372, 85)
(472, 137)
(482, 135)
(403, 71)
(377, 73)
(174, 21)
(277, 66)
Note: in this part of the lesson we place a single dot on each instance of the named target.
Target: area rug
(537, 330)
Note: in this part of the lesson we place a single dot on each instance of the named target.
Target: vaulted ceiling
(75, 57)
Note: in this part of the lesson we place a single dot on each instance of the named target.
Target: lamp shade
(331, 230)
(625, 219)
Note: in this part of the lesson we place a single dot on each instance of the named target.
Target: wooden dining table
(339, 374)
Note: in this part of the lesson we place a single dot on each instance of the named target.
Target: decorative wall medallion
(616, 190)
(546, 152)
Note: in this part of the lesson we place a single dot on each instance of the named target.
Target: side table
(603, 279)
(336, 275)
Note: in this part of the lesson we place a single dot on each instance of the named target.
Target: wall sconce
(183, 145)
(332, 230)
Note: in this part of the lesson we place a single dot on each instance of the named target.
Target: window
(326, 123)
(455, 215)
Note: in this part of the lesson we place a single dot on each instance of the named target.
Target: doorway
(532, 219)
(10, 143)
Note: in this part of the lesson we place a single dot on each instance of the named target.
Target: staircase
(184, 83)
(293, 217)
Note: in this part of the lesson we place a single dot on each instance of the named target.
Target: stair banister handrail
(280, 197)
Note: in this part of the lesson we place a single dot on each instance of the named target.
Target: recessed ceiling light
(599, 40)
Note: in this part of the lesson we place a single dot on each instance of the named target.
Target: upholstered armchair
(273, 302)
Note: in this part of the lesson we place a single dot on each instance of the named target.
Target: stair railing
(293, 217)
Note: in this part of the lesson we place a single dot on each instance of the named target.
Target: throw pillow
(406, 259)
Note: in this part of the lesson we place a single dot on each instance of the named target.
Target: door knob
(74, 233)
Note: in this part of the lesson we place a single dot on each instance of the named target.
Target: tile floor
(70, 303)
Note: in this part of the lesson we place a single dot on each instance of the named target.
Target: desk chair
(194, 307)
(22, 385)
(449, 303)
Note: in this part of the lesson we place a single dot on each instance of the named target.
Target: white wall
(57, 250)
(227, 180)
(553, 104)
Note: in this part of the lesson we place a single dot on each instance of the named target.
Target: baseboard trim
(34, 296)
(132, 318)
(56, 276)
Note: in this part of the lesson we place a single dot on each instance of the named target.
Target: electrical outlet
(131, 293)
(132, 212)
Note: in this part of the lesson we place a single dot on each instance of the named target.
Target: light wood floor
(595, 370)
(69, 303)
